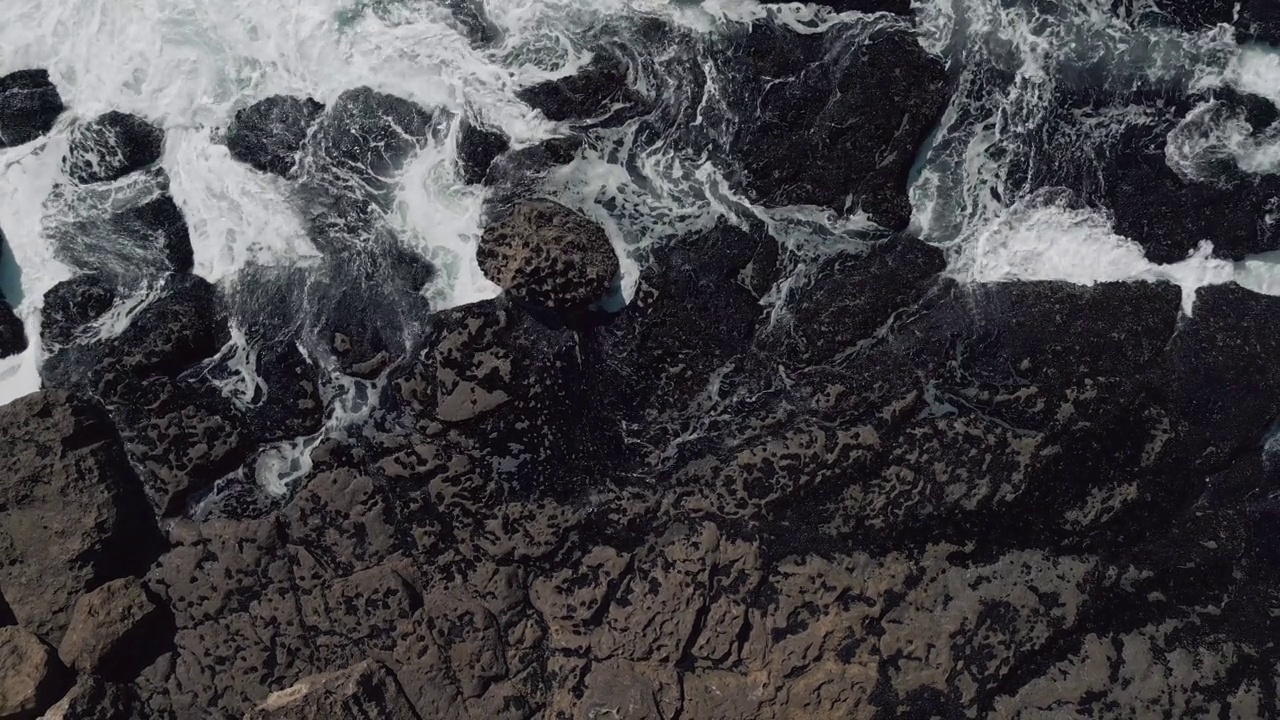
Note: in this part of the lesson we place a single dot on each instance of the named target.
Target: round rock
(29, 104)
(547, 255)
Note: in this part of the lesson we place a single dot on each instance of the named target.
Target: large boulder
(116, 630)
(178, 425)
(549, 256)
(368, 689)
(470, 19)
(352, 161)
(72, 513)
(836, 118)
(72, 305)
(269, 134)
(1159, 174)
(139, 243)
(111, 146)
(29, 105)
(31, 678)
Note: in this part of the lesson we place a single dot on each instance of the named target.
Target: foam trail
(964, 196)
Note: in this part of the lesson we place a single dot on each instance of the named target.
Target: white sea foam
(962, 197)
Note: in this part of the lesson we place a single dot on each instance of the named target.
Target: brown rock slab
(548, 255)
(72, 513)
(366, 690)
(31, 678)
(115, 631)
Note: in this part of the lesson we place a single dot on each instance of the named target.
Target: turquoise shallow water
(10, 277)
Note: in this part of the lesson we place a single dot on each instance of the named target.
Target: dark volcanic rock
(835, 121)
(13, 338)
(1163, 187)
(600, 90)
(73, 304)
(72, 514)
(31, 678)
(29, 104)
(111, 146)
(897, 7)
(360, 691)
(471, 20)
(352, 160)
(663, 350)
(94, 699)
(177, 425)
(1221, 378)
(140, 243)
(478, 147)
(1197, 14)
(547, 255)
(269, 134)
(1259, 20)
(184, 324)
(849, 296)
(116, 630)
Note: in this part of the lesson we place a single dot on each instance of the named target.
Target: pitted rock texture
(29, 105)
(797, 474)
(548, 255)
(269, 134)
(111, 146)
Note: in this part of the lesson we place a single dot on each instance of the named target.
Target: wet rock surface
(478, 147)
(111, 146)
(73, 304)
(13, 338)
(29, 105)
(269, 134)
(787, 476)
(601, 91)
(836, 118)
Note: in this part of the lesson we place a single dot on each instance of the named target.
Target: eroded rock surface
(548, 255)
